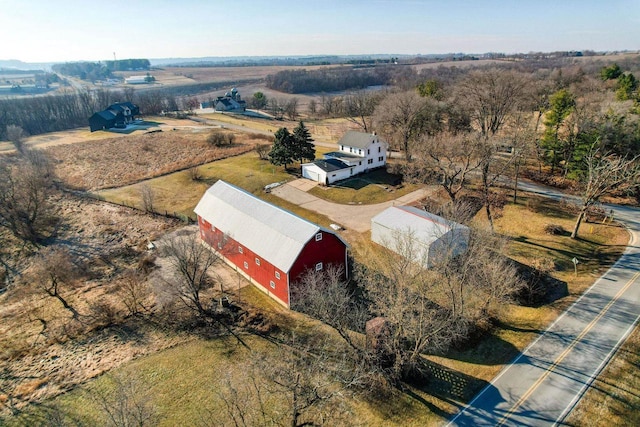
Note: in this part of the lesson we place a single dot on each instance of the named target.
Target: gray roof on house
(425, 226)
(342, 155)
(273, 233)
(357, 139)
(331, 165)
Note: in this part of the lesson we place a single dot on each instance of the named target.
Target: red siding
(329, 250)
(263, 274)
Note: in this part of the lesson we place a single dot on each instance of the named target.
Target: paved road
(542, 385)
(351, 217)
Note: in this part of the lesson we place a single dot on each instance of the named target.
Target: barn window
(257, 261)
(219, 245)
(272, 284)
(277, 275)
(318, 237)
(240, 250)
(319, 266)
(246, 265)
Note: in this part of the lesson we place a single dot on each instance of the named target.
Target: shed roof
(273, 233)
(357, 139)
(331, 165)
(426, 226)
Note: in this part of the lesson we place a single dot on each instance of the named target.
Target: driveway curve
(351, 217)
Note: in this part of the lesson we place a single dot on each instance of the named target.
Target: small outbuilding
(430, 237)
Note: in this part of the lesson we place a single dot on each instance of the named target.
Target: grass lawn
(178, 193)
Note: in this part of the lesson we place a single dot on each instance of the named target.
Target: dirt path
(351, 217)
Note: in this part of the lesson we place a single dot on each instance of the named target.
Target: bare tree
(303, 382)
(451, 157)
(134, 292)
(359, 108)
(24, 196)
(263, 151)
(291, 108)
(398, 116)
(400, 292)
(125, 402)
(52, 271)
(327, 297)
(191, 274)
(147, 196)
(491, 96)
(605, 173)
(16, 135)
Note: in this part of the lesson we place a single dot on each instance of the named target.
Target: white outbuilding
(427, 237)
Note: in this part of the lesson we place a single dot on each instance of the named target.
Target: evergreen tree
(303, 144)
(562, 104)
(626, 87)
(282, 153)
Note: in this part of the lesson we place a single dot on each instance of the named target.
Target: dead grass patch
(120, 161)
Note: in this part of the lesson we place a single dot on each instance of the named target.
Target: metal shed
(429, 236)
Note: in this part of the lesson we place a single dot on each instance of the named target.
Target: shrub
(220, 139)
(555, 229)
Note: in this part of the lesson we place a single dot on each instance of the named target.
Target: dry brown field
(116, 162)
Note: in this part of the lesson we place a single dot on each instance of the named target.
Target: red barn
(272, 247)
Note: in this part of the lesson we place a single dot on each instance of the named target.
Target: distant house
(268, 245)
(430, 237)
(358, 152)
(117, 115)
(230, 102)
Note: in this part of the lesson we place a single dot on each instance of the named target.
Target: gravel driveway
(351, 217)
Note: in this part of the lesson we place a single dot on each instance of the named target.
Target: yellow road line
(564, 354)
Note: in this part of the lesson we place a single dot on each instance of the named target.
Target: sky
(72, 30)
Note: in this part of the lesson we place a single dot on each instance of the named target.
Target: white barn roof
(273, 233)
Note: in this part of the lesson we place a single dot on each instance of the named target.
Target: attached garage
(429, 236)
(327, 171)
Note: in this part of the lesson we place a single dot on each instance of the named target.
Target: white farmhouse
(428, 236)
(358, 152)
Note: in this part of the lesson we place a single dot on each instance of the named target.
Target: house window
(380, 158)
(369, 161)
(272, 284)
(246, 265)
(318, 237)
(278, 275)
(257, 261)
(359, 151)
(359, 163)
(379, 149)
(368, 151)
(319, 266)
(240, 250)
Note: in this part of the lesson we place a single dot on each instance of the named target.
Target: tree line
(329, 80)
